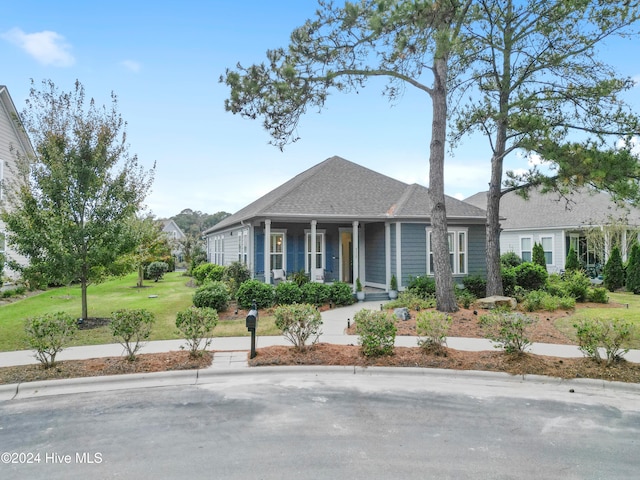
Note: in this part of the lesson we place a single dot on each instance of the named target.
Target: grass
(164, 299)
(629, 311)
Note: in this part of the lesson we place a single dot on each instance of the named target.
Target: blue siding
(259, 255)
(374, 253)
(477, 250)
(414, 251)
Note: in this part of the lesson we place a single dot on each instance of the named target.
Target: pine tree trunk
(445, 296)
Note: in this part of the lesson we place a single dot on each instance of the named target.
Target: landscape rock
(497, 301)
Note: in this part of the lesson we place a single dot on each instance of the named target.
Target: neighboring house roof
(550, 210)
(171, 226)
(340, 189)
(6, 103)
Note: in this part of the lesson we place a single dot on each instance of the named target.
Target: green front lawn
(623, 305)
(164, 299)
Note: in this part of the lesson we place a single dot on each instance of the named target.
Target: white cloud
(634, 142)
(131, 65)
(48, 48)
(636, 80)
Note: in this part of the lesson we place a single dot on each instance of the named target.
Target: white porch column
(267, 251)
(387, 254)
(312, 262)
(252, 253)
(356, 254)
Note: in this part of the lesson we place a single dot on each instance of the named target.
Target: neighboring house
(589, 221)
(338, 221)
(13, 140)
(174, 235)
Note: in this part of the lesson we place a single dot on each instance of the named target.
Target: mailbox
(252, 320)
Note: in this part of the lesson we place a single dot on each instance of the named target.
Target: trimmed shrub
(288, 293)
(609, 334)
(432, 328)
(208, 272)
(423, 286)
(537, 255)
(156, 270)
(315, 293)
(577, 284)
(234, 275)
(633, 270)
(48, 334)
(555, 285)
(377, 332)
(196, 324)
(598, 295)
(476, 285)
(509, 330)
(130, 328)
(262, 293)
(614, 271)
(510, 259)
(530, 276)
(508, 280)
(411, 301)
(299, 323)
(214, 295)
(572, 263)
(341, 293)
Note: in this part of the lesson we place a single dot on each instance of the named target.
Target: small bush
(537, 255)
(432, 328)
(411, 301)
(598, 295)
(341, 293)
(48, 334)
(299, 323)
(609, 334)
(632, 279)
(423, 286)
(234, 275)
(214, 295)
(530, 276)
(555, 285)
(155, 270)
(377, 332)
(542, 300)
(130, 328)
(572, 264)
(300, 278)
(262, 293)
(508, 280)
(510, 259)
(196, 325)
(208, 272)
(577, 284)
(465, 298)
(509, 330)
(288, 293)
(315, 293)
(476, 285)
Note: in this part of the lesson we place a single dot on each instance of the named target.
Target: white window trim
(530, 238)
(552, 238)
(284, 248)
(456, 250)
(323, 247)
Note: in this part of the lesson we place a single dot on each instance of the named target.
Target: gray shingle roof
(338, 188)
(579, 209)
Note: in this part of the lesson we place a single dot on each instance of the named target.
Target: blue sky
(163, 60)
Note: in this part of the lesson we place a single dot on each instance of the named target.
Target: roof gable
(339, 188)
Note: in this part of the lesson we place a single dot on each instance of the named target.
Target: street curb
(201, 377)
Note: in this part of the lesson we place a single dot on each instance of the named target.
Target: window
(526, 246)
(277, 245)
(458, 258)
(320, 248)
(243, 246)
(547, 246)
(218, 254)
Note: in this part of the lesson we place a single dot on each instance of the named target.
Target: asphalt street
(327, 423)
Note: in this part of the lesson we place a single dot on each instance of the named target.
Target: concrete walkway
(231, 352)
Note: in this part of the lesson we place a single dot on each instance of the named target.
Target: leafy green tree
(71, 203)
(538, 85)
(411, 44)
(537, 255)
(572, 264)
(193, 223)
(614, 270)
(633, 270)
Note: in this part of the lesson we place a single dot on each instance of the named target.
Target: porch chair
(278, 275)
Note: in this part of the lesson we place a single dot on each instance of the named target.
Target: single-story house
(588, 221)
(13, 140)
(339, 221)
